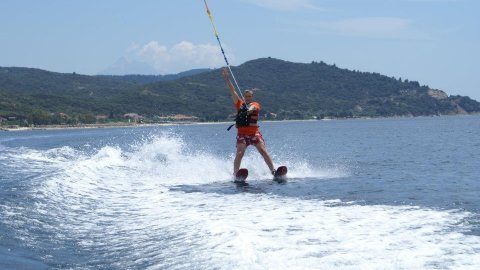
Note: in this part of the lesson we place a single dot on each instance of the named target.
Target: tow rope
(221, 48)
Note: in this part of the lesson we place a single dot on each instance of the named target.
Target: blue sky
(435, 42)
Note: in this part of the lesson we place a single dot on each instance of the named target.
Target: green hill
(145, 79)
(285, 89)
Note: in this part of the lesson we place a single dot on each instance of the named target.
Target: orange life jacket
(248, 124)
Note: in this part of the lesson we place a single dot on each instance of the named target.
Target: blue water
(361, 194)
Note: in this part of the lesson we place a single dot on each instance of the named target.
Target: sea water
(361, 194)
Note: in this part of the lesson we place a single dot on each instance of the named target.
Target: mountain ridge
(286, 90)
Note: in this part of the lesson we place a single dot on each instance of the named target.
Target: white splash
(123, 207)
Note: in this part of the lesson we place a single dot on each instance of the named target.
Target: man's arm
(235, 96)
(252, 108)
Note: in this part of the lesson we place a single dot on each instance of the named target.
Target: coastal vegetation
(286, 90)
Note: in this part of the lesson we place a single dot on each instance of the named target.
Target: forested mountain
(286, 90)
(145, 79)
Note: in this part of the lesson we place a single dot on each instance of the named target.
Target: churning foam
(163, 159)
(119, 206)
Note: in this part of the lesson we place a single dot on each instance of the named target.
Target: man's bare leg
(238, 157)
(263, 151)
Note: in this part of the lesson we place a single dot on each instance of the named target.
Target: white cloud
(168, 60)
(285, 5)
(372, 27)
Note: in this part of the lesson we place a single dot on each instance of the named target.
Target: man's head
(248, 94)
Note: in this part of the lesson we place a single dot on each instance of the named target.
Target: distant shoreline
(87, 126)
(133, 125)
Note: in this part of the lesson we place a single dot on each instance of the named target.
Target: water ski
(240, 177)
(280, 175)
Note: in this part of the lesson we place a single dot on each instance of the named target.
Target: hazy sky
(435, 42)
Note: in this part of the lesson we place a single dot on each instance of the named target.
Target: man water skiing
(247, 126)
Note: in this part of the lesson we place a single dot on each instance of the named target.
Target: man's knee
(241, 149)
(261, 147)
